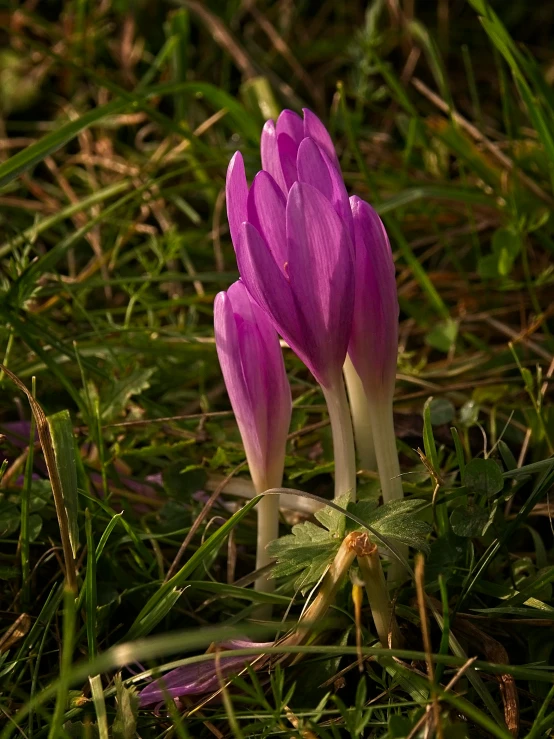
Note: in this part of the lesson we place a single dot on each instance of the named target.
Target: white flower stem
(268, 530)
(385, 449)
(363, 430)
(388, 466)
(379, 600)
(343, 438)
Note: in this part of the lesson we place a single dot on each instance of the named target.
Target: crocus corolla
(292, 230)
(254, 372)
(373, 344)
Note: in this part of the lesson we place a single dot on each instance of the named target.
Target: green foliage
(309, 549)
(483, 477)
(125, 722)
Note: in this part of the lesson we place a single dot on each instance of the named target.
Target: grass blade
(63, 444)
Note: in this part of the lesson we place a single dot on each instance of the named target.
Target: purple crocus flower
(373, 346)
(292, 232)
(200, 678)
(254, 373)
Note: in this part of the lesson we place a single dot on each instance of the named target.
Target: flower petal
(269, 287)
(288, 150)
(193, 679)
(266, 212)
(290, 123)
(315, 168)
(315, 129)
(229, 345)
(373, 344)
(236, 191)
(202, 677)
(290, 132)
(270, 154)
(321, 278)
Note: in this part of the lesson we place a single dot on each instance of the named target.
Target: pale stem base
(268, 530)
(385, 449)
(382, 421)
(363, 431)
(343, 438)
(379, 600)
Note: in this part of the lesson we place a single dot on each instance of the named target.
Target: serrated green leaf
(333, 520)
(123, 390)
(396, 520)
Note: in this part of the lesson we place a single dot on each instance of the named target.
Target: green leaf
(397, 521)
(469, 413)
(508, 458)
(125, 722)
(506, 240)
(35, 526)
(399, 726)
(122, 390)
(470, 521)
(8, 573)
(428, 438)
(487, 267)
(309, 549)
(443, 335)
(441, 411)
(446, 557)
(333, 520)
(483, 476)
(9, 519)
(222, 590)
(63, 444)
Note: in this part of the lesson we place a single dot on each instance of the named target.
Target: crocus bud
(292, 231)
(373, 344)
(254, 373)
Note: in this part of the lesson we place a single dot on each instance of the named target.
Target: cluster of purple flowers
(315, 268)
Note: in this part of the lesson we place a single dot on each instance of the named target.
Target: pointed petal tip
(236, 159)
